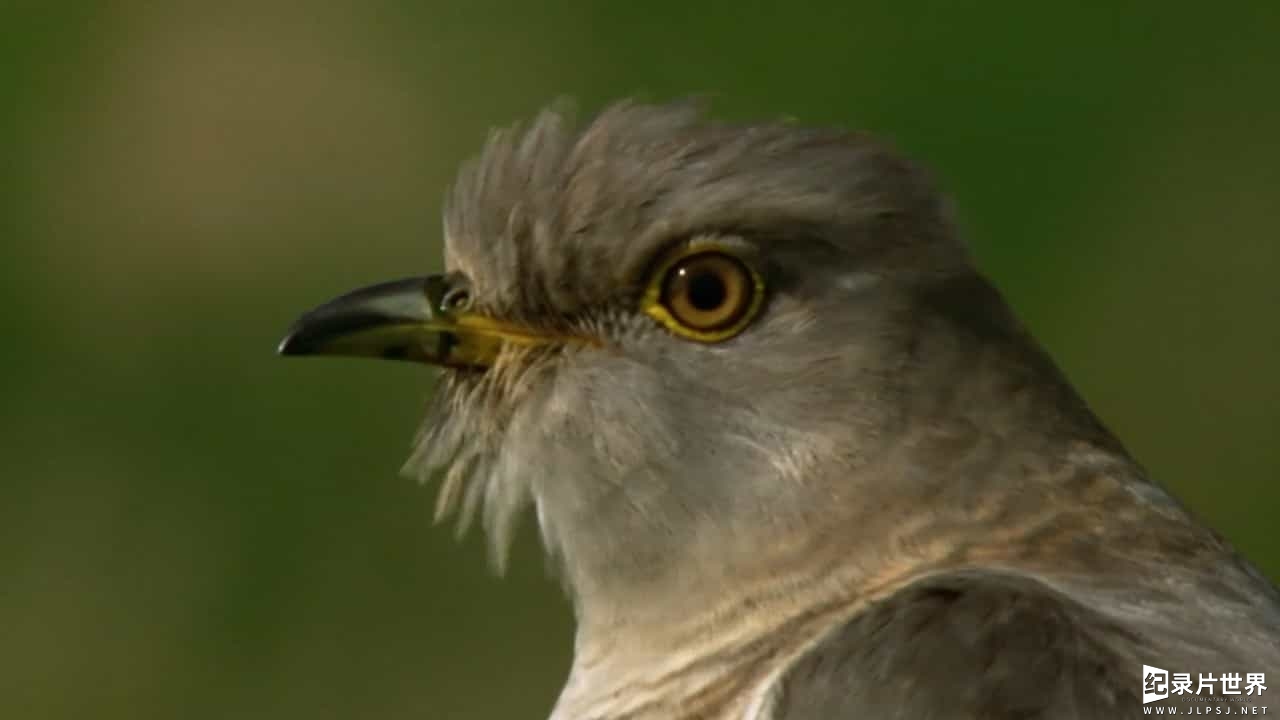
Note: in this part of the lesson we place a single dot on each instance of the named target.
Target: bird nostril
(456, 300)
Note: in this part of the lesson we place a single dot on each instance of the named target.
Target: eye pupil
(706, 290)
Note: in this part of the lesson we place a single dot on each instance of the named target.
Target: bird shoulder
(976, 644)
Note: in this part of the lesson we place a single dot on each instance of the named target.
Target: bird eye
(707, 295)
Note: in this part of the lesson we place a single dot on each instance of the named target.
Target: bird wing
(965, 645)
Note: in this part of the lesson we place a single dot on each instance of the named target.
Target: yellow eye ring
(704, 293)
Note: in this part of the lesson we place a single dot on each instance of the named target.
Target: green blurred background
(193, 528)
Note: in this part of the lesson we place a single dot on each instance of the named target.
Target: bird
(792, 454)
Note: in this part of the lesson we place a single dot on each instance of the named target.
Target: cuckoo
(792, 453)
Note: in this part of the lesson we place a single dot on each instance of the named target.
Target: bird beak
(405, 320)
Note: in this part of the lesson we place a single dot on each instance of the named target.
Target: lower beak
(420, 319)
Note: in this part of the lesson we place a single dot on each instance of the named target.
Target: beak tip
(291, 344)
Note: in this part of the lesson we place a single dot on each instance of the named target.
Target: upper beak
(421, 319)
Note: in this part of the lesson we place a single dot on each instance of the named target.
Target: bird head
(692, 346)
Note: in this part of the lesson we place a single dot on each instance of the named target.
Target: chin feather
(463, 444)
